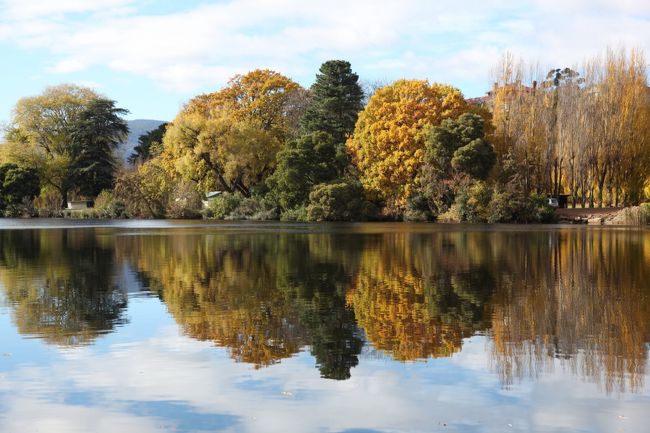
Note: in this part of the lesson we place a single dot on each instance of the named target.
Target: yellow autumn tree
(388, 142)
(228, 140)
(577, 131)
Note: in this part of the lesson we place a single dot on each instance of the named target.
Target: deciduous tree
(388, 142)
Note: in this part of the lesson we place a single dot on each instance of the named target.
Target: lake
(163, 326)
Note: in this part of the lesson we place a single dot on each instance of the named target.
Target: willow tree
(389, 138)
(40, 134)
(229, 139)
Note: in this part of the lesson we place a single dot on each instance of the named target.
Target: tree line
(263, 147)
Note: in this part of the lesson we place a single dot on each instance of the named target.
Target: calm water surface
(188, 327)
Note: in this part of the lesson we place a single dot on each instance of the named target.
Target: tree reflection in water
(60, 284)
(573, 298)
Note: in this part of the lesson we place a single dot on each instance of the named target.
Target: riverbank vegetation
(263, 147)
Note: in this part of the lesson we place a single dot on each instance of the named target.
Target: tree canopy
(68, 134)
(388, 142)
(336, 101)
(97, 133)
(229, 139)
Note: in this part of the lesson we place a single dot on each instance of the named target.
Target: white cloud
(206, 43)
(29, 9)
(291, 397)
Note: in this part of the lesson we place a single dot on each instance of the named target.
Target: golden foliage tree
(40, 134)
(388, 142)
(228, 139)
(586, 134)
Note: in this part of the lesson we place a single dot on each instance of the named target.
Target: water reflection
(582, 298)
(579, 299)
(61, 284)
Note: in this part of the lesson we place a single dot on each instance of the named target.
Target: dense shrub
(254, 208)
(222, 205)
(472, 204)
(538, 210)
(340, 200)
(234, 206)
(417, 209)
(480, 203)
(298, 214)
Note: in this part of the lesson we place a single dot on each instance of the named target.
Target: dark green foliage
(234, 206)
(473, 203)
(456, 153)
(96, 135)
(417, 209)
(539, 210)
(221, 206)
(147, 145)
(336, 101)
(297, 214)
(18, 187)
(303, 163)
(20, 183)
(341, 200)
(460, 144)
(482, 203)
(476, 159)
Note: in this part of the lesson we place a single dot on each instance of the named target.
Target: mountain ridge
(137, 127)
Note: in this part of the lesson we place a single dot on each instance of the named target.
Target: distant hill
(136, 129)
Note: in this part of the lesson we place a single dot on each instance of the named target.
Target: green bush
(298, 214)
(505, 207)
(234, 206)
(340, 200)
(538, 210)
(221, 206)
(472, 204)
(254, 208)
(24, 209)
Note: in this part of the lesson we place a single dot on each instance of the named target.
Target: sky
(151, 56)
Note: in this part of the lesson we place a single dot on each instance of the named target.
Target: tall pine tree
(98, 132)
(336, 101)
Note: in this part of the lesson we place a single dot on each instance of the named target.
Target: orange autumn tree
(388, 142)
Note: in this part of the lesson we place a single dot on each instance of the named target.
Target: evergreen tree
(98, 132)
(147, 143)
(303, 163)
(336, 101)
(460, 144)
(17, 184)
